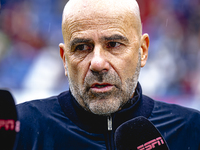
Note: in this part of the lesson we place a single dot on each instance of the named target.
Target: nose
(99, 62)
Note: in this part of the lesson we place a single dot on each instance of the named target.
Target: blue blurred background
(31, 68)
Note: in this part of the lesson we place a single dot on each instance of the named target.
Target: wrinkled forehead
(80, 10)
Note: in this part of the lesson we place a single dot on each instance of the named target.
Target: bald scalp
(77, 9)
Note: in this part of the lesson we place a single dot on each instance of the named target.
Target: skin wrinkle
(114, 79)
(67, 17)
(118, 66)
(78, 26)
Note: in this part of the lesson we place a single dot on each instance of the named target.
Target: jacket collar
(139, 105)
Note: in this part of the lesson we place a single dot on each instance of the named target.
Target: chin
(104, 107)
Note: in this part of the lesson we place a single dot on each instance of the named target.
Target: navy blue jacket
(60, 123)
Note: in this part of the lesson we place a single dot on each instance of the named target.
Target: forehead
(97, 24)
(90, 7)
(86, 16)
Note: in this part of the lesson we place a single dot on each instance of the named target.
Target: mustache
(102, 77)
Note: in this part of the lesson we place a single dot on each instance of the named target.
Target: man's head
(103, 51)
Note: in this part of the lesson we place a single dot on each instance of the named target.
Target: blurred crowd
(30, 31)
(173, 68)
(30, 65)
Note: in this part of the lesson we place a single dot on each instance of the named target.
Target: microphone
(139, 134)
(9, 125)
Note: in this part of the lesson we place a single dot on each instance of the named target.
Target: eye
(113, 44)
(83, 47)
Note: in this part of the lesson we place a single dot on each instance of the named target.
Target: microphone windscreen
(139, 134)
(8, 120)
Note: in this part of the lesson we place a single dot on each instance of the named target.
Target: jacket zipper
(109, 119)
(110, 133)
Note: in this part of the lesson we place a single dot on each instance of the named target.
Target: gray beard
(115, 99)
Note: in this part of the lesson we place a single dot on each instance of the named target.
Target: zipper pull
(109, 123)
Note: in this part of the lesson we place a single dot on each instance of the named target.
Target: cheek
(72, 68)
(77, 69)
(126, 65)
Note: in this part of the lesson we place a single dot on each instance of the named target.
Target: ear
(62, 55)
(144, 49)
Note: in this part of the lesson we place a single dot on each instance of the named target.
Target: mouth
(104, 87)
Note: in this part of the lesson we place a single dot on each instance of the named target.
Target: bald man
(102, 53)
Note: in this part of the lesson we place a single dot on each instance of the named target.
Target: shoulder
(41, 104)
(36, 115)
(36, 105)
(174, 113)
(166, 109)
(40, 108)
(177, 122)
(34, 112)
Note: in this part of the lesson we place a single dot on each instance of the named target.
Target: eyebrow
(115, 37)
(79, 40)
